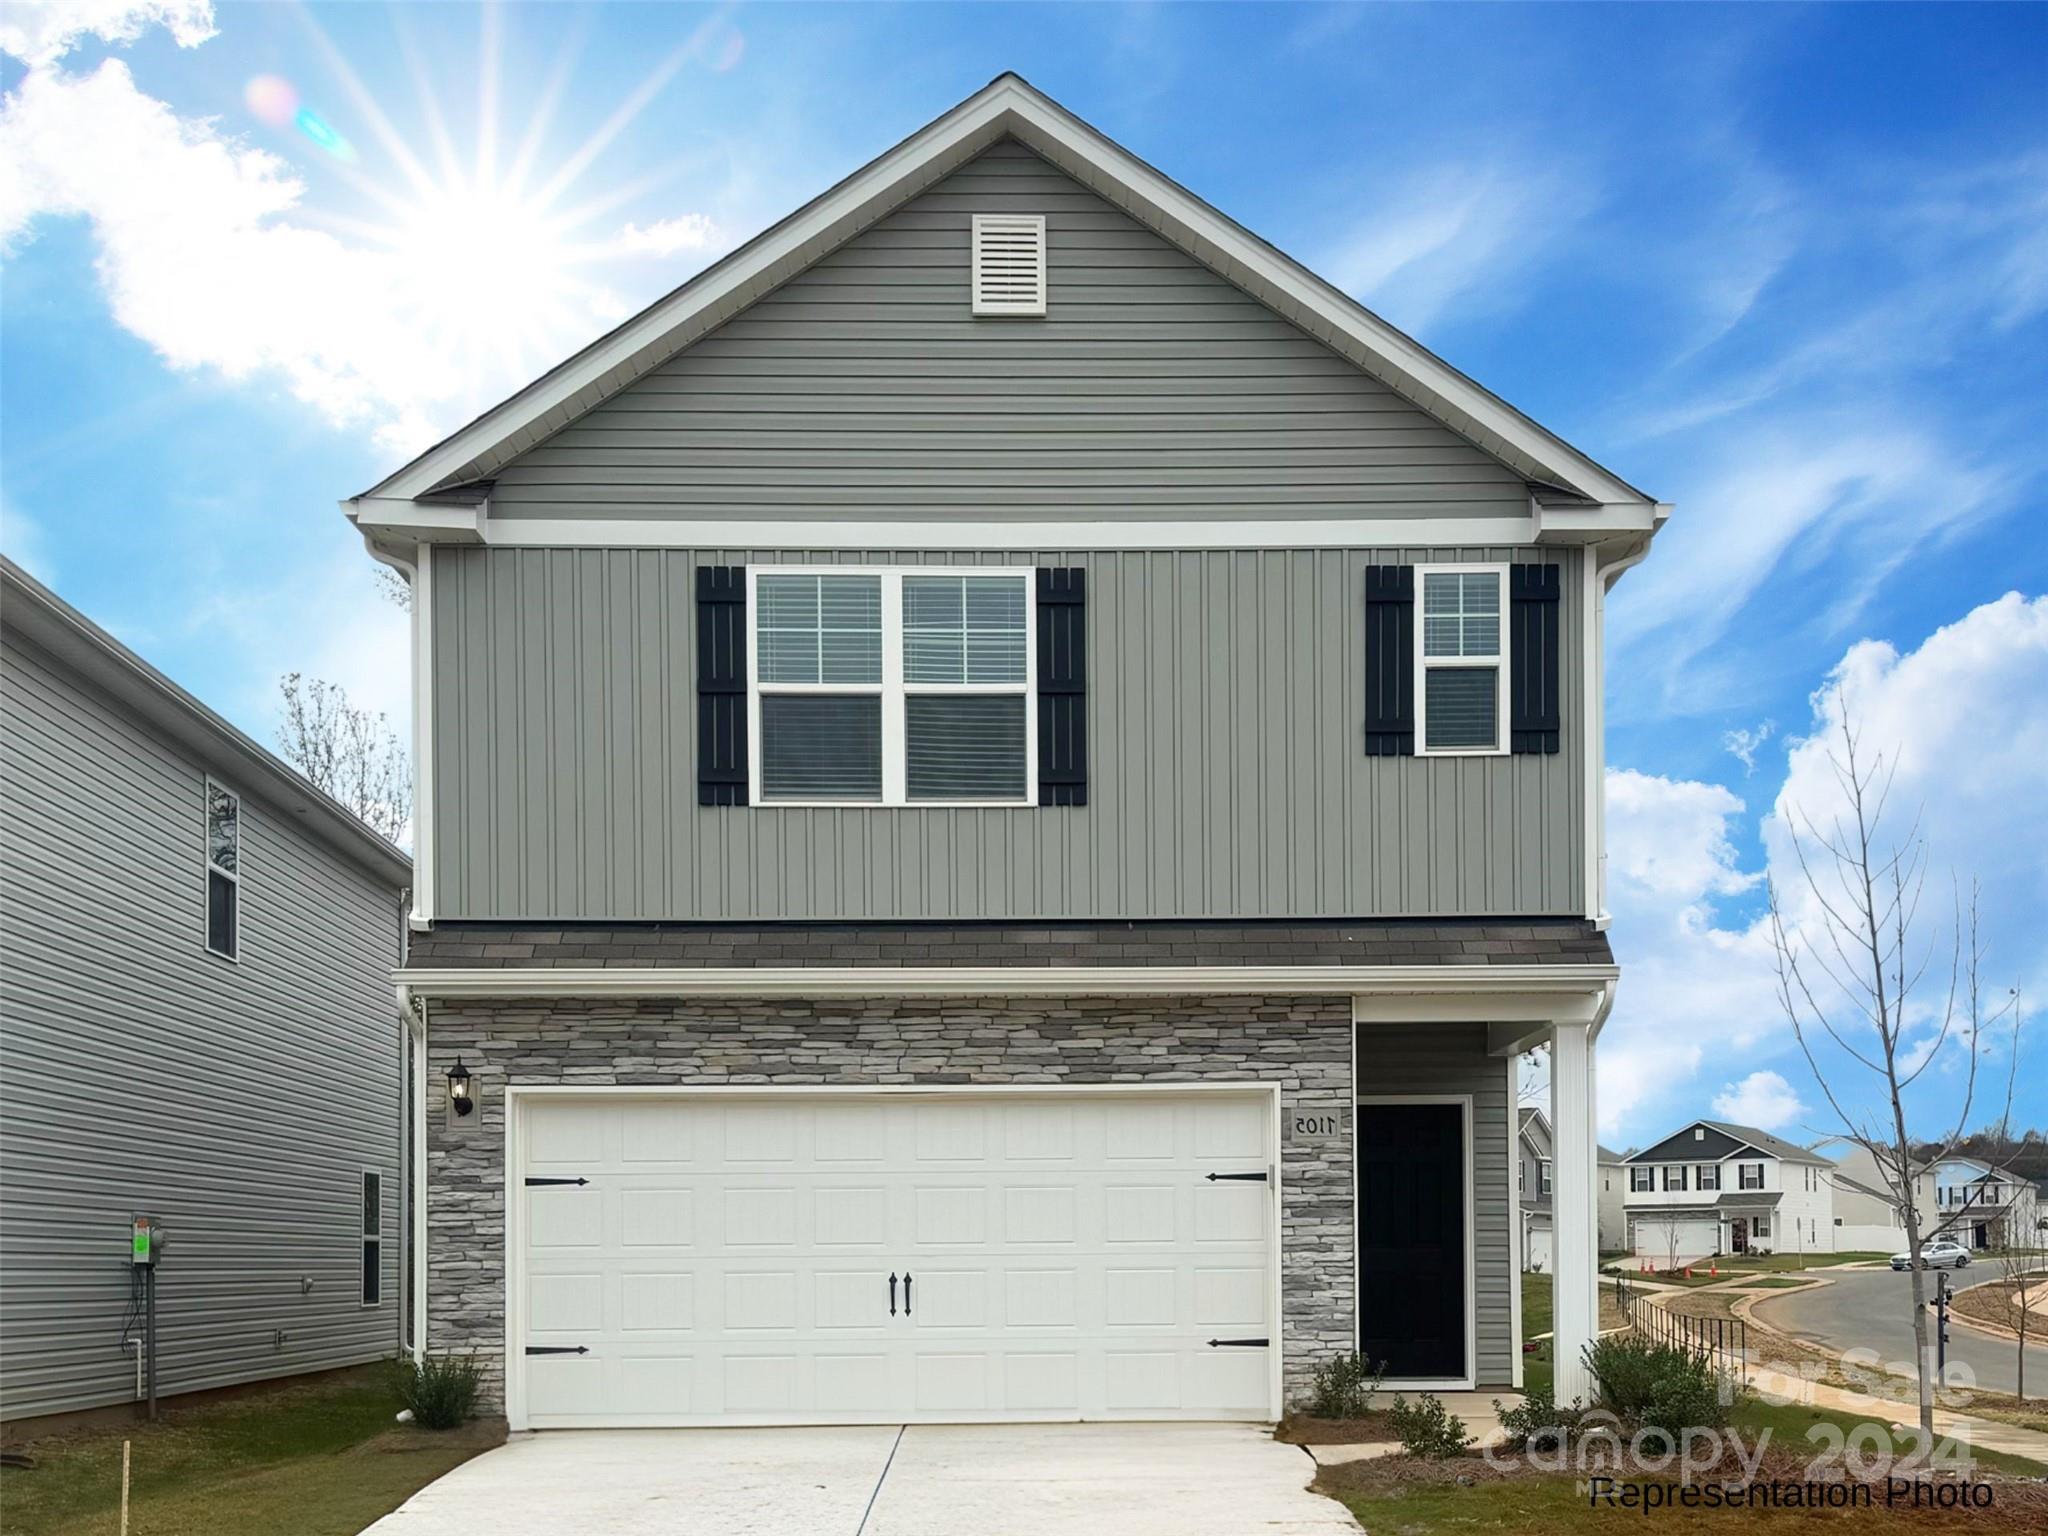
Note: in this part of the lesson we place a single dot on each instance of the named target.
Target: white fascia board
(960, 534)
(1008, 106)
(399, 520)
(1417, 989)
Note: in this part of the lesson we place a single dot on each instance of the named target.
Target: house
(1984, 1205)
(1869, 1216)
(1004, 776)
(197, 1028)
(1534, 1171)
(1715, 1188)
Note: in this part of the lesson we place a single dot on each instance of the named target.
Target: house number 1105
(1315, 1125)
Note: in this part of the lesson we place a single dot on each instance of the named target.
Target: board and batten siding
(235, 1102)
(1447, 1060)
(1227, 775)
(864, 387)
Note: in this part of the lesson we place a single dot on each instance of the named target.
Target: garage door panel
(1055, 1259)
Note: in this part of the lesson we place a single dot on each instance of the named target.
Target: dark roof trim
(44, 620)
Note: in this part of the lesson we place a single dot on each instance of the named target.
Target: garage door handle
(906, 1293)
(1253, 1177)
(892, 1293)
(558, 1349)
(1240, 1343)
(530, 1183)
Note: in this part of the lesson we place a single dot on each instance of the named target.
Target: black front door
(1411, 1239)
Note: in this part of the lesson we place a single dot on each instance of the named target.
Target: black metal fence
(1723, 1340)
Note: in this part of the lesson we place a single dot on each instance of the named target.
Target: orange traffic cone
(1713, 1269)
(1688, 1271)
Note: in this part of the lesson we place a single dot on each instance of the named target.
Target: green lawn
(320, 1458)
(1536, 1305)
(1387, 1507)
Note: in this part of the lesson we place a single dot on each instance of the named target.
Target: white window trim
(1742, 1177)
(1424, 664)
(1649, 1184)
(1707, 1171)
(365, 1239)
(208, 869)
(893, 690)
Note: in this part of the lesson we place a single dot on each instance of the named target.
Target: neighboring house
(1868, 1214)
(1534, 1173)
(1613, 1202)
(1004, 777)
(196, 1026)
(1715, 1188)
(1982, 1205)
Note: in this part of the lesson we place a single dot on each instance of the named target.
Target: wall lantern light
(458, 1089)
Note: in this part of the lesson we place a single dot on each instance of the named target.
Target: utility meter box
(145, 1242)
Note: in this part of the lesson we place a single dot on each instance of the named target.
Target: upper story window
(1642, 1180)
(223, 870)
(1710, 1176)
(1751, 1175)
(1674, 1176)
(1460, 698)
(893, 687)
(1543, 1177)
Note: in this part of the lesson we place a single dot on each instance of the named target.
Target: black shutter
(1390, 661)
(721, 685)
(1533, 715)
(1062, 685)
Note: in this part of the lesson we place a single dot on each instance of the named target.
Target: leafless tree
(394, 588)
(351, 754)
(1853, 975)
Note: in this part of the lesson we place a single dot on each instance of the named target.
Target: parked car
(1940, 1255)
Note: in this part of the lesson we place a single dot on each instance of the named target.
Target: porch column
(1574, 1235)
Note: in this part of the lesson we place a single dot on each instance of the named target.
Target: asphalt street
(1873, 1309)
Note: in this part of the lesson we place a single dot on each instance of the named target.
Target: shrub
(1343, 1387)
(1427, 1428)
(1657, 1387)
(440, 1390)
(1536, 1423)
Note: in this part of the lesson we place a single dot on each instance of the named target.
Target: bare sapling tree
(1853, 969)
(348, 753)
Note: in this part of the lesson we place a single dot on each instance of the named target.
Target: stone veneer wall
(1302, 1043)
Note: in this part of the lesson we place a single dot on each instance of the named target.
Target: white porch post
(1574, 1236)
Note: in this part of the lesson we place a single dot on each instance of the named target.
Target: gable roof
(1529, 1115)
(1764, 1141)
(35, 613)
(1731, 1140)
(1008, 107)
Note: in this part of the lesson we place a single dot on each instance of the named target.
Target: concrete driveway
(983, 1480)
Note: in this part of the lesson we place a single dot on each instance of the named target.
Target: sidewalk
(1979, 1434)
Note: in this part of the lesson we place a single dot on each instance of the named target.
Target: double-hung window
(1641, 1180)
(1750, 1175)
(1710, 1176)
(1674, 1176)
(223, 871)
(1543, 1176)
(908, 686)
(1461, 684)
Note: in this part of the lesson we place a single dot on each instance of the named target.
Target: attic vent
(1698, 1134)
(1009, 264)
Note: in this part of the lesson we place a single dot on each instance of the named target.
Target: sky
(1786, 268)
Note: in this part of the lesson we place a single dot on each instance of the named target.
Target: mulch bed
(1302, 1429)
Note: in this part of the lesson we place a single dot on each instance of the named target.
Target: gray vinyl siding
(1227, 769)
(865, 388)
(237, 1103)
(1441, 1059)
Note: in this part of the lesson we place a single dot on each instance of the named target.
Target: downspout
(414, 1011)
(1600, 580)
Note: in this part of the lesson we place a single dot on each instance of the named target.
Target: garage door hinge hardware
(531, 1182)
(558, 1349)
(1240, 1343)
(1258, 1178)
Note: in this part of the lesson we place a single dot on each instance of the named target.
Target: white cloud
(207, 252)
(664, 237)
(1963, 721)
(1744, 742)
(1453, 234)
(1762, 1099)
(40, 32)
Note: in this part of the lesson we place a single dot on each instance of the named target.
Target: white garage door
(892, 1258)
(1537, 1254)
(1658, 1239)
